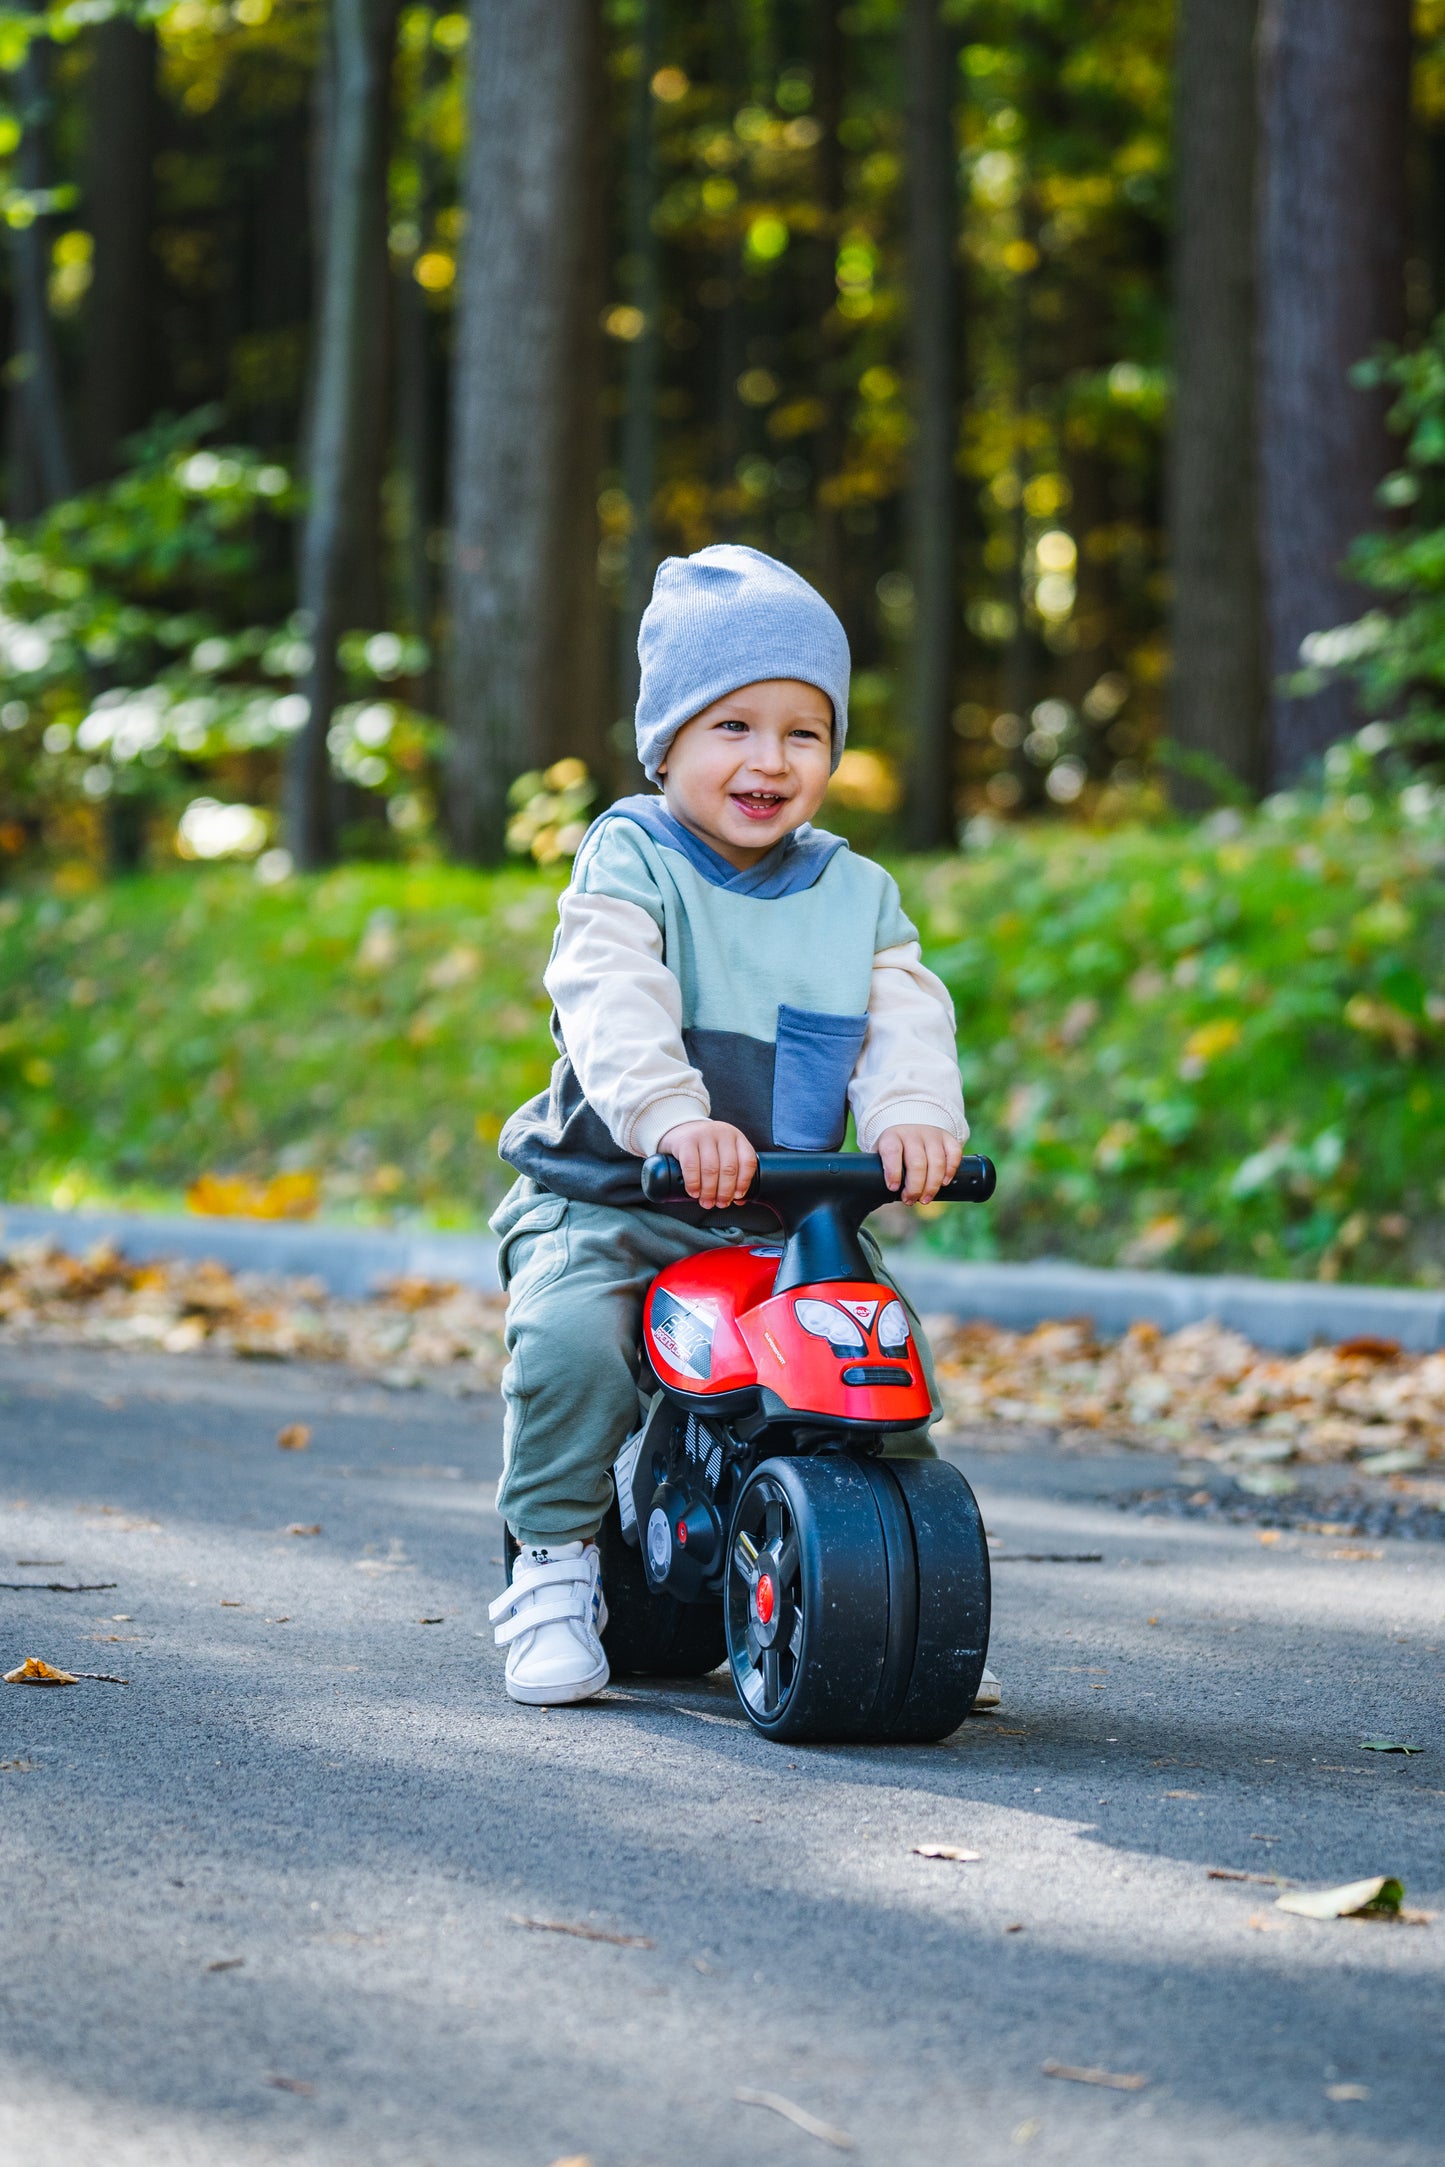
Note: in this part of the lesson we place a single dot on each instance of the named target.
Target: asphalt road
(266, 1902)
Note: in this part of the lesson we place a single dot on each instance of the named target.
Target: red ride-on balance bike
(755, 1517)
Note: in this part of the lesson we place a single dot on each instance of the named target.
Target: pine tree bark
(1216, 695)
(120, 151)
(42, 461)
(525, 618)
(933, 489)
(1334, 101)
(342, 458)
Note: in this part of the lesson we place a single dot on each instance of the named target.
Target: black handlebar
(853, 1179)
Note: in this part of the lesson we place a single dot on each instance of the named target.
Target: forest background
(365, 358)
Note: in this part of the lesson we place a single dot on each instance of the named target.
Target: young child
(726, 979)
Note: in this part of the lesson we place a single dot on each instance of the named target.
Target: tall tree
(42, 462)
(928, 58)
(523, 593)
(115, 393)
(1216, 696)
(342, 460)
(640, 369)
(1334, 103)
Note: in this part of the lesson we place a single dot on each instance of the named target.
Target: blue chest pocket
(816, 1054)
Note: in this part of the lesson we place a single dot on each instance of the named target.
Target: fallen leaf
(227, 1963)
(1266, 1535)
(19, 1768)
(798, 2116)
(1387, 1745)
(295, 1436)
(1016, 1927)
(1357, 1557)
(580, 1931)
(297, 1529)
(35, 1672)
(1113, 2080)
(944, 1851)
(431, 1621)
(1381, 1895)
(1347, 2091)
(574, 2159)
(229, 1602)
(292, 2084)
(1183, 1794)
(1227, 1873)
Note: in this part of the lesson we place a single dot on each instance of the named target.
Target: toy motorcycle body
(756, 1516)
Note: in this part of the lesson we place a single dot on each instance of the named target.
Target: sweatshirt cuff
(910, 1113)
(652, 1124)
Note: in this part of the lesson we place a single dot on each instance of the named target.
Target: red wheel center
(766, 1600)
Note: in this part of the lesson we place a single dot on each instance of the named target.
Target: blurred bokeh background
(362, 362)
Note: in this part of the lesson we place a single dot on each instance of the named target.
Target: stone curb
(1279, 1313)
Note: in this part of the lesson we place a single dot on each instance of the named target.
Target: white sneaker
(554, 1616)
(990, 1692)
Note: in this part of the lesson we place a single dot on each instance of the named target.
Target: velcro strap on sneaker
(558, 1606)
(557, 1572)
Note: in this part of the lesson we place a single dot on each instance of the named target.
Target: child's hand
(922, 1159)
(718, 1163)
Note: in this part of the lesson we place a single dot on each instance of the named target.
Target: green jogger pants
(575, 1276)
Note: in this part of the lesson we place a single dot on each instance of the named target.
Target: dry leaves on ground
(1112, 2080)
(1363, 1400)
(179, 1306)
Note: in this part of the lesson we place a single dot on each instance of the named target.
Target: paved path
(262, 1903)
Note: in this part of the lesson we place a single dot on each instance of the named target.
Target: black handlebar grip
(974, 1183)
(662, 1181)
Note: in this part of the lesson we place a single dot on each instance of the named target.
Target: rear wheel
(652, 1636)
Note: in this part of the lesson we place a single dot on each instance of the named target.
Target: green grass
(1185, 1047)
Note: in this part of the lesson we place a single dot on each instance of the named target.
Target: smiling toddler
(725, 979)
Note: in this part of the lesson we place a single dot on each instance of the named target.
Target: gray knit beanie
(727, 617)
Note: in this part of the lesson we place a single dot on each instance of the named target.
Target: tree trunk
(1334, 100)
(120, 149)
(523, 587)
(640, 370)
(933, 490)
(45, 465)
(342, 401)
(1216, 697)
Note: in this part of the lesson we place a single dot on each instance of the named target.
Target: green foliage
(1214, 1048)
(127, 667)
(1395, 655)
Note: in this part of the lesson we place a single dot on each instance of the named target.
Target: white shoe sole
(562, 1694)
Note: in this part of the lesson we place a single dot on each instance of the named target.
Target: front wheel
(856, 1599)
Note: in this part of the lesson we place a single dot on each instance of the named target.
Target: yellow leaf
(34, 1672)
(295, 1437)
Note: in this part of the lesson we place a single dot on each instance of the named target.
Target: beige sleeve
(620, 1012)
(907, 1071)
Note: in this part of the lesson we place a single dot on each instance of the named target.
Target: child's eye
(730, 722)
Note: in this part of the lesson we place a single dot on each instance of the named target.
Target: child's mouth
(758, 804)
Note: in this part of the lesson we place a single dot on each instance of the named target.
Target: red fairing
(713, 1325)
(690, 1326)
(807, 1375)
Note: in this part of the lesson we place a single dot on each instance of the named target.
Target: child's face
(752, 767)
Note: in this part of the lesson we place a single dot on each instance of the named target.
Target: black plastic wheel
(856, 1599)
(652, 1636)
(806, 1599)
(953, 1597)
